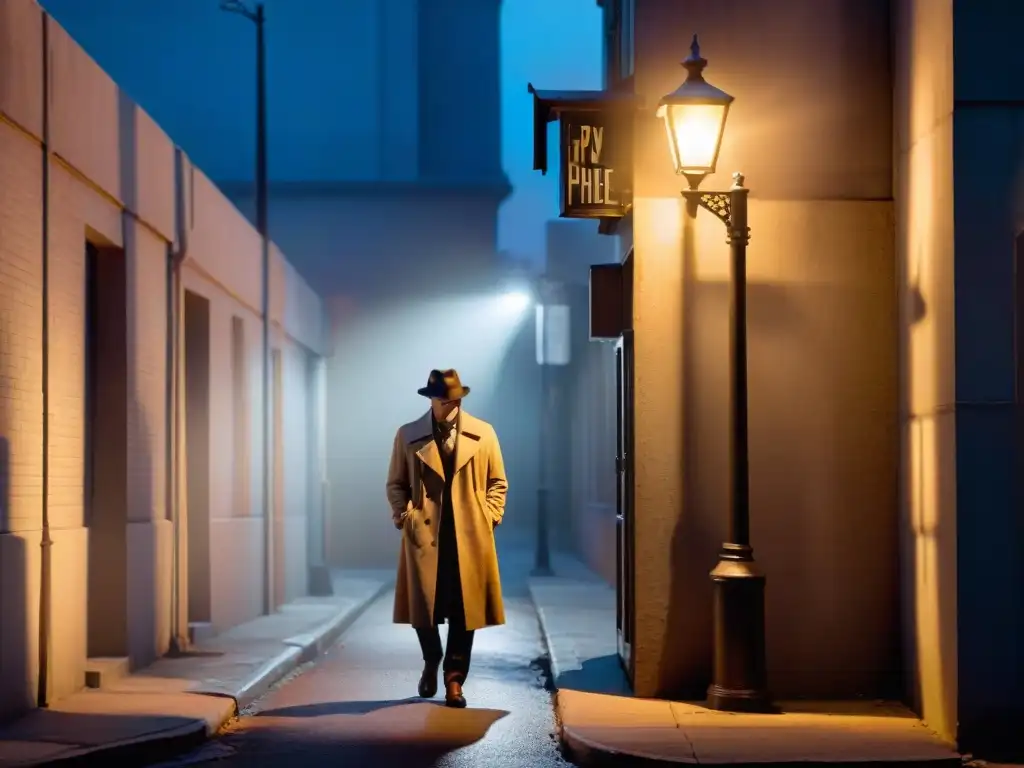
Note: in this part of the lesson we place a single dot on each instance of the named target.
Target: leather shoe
(453, 695)
(428, 682)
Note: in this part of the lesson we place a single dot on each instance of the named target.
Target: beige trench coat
(414, 486)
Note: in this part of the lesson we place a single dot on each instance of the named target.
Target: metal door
(624, 536)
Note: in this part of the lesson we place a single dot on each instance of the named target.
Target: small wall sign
(593, 178)
(595, 150)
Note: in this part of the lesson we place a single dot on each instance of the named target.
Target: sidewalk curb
(573, 747)
(261, 682)
(545, 634)
(313, 644)
(591, 754)
(142, 750)
(301, 649)
(165, 745)
(588, 753)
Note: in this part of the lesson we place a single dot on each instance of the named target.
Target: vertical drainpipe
(262, 224)
(321, 460)
(45, 565)
(175, 255)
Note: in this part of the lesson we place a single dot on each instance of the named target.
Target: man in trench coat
(446, 488)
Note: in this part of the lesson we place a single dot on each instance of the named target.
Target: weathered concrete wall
(584, 503)
(95, 138)
(112, 182)
(812, 133)
(960, 212)
(987, 126)
(223, 265)
(923, 148)
(593, 502)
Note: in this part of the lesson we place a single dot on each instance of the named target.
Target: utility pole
(257, 17)
(554, 345)
(542, 553)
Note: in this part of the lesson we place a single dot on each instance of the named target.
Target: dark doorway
(241, 422)
(624, 529)
(1018, 330)
(314, 510)
(1018, 344)
(105, 484)
(316, 541)
(197, 460)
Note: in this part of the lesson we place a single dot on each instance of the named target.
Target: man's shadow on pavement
(327, 708)
(401, 727)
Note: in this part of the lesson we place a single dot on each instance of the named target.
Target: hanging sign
(595, 150)
(595, 172)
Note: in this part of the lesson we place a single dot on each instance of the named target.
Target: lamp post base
(542, 555)
(320, 584)
(723, 700)
(739, 681)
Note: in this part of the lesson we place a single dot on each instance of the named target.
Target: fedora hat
(444, 385)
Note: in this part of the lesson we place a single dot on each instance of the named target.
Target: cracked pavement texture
(357, 706)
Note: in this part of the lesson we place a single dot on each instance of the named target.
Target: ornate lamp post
(695, 115)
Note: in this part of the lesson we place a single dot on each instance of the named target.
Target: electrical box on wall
(607, 302)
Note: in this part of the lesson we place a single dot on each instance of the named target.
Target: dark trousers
(448, 603)
(456, 656)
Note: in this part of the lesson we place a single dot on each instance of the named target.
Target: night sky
(190, 66)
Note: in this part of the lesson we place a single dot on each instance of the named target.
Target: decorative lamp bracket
(723, 204)
(713, 202)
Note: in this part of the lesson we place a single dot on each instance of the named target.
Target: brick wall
(20, 420)
(113, 182)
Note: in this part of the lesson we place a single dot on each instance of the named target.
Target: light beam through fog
(470, 334)
(381, 358)
(514, 302)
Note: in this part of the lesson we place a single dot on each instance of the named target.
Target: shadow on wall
(383, 351)
(149, 567)
(918, 537)
(822, 437)
(17, 640)
(928, 478)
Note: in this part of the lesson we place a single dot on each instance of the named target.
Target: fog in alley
(511, 382)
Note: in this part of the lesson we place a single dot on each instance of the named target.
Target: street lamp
(553, 348)
(694, 116)
(256, 16)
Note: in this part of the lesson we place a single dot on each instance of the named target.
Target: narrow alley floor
(358, 705)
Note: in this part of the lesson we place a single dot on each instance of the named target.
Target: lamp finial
(695, 63)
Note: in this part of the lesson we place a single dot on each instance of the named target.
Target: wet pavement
(358, 705)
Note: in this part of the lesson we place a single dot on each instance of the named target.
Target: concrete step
(200, 632)
(104, 671)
